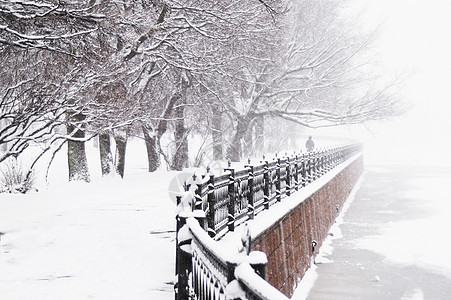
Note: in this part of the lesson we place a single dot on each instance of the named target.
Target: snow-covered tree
(316, 77)
(42, 45)
(168, 68)
(197, 47)
(52, 25)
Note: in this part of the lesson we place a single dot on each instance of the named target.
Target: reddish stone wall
(288, 243)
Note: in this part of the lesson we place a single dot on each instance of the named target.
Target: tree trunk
(234, 148)
(76, 153)
(217, 135)
(180, 159)
(259, 139)
(153, 156)
(121, 144)
(106, 157)
(247, 146)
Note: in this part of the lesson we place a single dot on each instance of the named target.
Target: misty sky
(416, 38)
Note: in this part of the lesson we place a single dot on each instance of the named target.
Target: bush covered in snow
(14, 178)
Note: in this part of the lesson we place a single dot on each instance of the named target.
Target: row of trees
(74, 70)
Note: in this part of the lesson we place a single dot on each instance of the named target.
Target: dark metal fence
(220, 203)
(238, 195)
(209, 272)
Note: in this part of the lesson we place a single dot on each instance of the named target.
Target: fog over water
(415, 40)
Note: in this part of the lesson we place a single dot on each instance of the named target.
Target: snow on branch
(47, 25)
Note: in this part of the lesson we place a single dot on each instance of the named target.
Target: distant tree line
(163, 70)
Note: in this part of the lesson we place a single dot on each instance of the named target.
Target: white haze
(415, 40)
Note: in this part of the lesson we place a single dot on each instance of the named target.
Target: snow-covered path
(110, 240)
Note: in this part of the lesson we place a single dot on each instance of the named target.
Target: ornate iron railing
(238, 195)
(214, 273)
(220, 203)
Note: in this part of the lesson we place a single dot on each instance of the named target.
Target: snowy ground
(111, 239)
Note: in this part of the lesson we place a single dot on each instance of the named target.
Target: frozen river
(395, 240)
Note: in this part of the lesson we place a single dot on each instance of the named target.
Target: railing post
(184, 257)
(232, 200)
(314, 165)
(278, 191)
(296, 173)
(183, 265)
(288, 178)
(197, 196)
(211, 207)
(317, 164)
(332, 157)
(303, 170)
(177, 250)
(250, 194)
(321, 162)
(266, 187)
(328, 160)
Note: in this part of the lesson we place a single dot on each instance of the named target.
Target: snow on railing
(238, 195)
(213, 205)
(219, 273)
